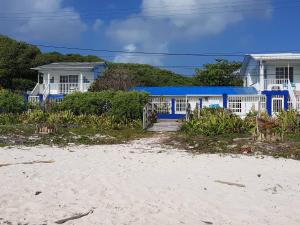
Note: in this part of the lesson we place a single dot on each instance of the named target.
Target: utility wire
(181, 6)
(200, 12)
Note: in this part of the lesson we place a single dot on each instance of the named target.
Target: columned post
(81, 82)
(49, 82)
(269, 104)
(261, 75)
(173, 106)
(285, 100)
(225, 101)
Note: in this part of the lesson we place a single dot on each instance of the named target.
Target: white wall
(252, 74)
(54, 87)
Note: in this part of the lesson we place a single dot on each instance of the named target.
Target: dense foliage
(16, 59)
(124, 76)
(220, 73)
(11, 102)
(218, 121)
(123, 106)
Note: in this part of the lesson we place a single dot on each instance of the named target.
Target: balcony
(277, 84)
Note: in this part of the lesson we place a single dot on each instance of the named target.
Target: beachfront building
(173, 102)
(56, 80)
(271, 84)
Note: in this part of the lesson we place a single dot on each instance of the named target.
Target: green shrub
(128, 106)
(96, 103)
(120, 106)
(34, 117)
(9, 118)
(217, 122)
(61, 119)
(287, 122)
(11, 102)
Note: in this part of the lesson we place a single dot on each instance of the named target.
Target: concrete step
(165, 126)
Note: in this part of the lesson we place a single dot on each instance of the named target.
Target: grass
(236, 144)
(26, 135)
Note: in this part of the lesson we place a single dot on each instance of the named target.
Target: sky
(169, 26)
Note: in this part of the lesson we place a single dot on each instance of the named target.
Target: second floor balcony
(278, 84)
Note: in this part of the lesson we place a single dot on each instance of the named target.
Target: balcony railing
(276, 84)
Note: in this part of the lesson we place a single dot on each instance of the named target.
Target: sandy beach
(144, 183)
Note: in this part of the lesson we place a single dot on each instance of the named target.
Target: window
(69, 79)
(163, 105)
(235, 105)
(180, 105)
(285, 73)
(85, 80)
(52, 80)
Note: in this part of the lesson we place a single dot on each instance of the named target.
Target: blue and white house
(271, 84)
(56, 80)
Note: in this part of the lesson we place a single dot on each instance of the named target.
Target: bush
(8, 119)
(217, 122)
(96, 103)
(11, 102)
(128, 106)
(121, 106)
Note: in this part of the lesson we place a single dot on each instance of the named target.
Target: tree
(119, 76)
(16, 59)
(220, 73)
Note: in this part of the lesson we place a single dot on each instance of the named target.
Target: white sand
(139, 184)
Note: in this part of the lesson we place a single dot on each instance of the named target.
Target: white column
(261, 75)
(81, 82)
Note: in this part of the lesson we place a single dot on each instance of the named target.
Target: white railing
(46, 91)
(34, 99)
(67, 88)
(36, 90)
(276, 84)
(292, 95)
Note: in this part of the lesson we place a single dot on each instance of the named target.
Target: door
(277, 104)
(68, 84)
(180, 105)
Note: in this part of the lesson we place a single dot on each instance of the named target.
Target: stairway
(165, 126)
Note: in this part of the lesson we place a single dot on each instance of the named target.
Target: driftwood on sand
(230, 183)
(77, 216)
(26, 163)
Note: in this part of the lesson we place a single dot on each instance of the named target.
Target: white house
(271, 84)
(56, 80)
(276, 76)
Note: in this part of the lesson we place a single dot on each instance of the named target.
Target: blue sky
(190, 26)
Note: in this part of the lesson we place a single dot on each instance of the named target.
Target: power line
(149, 16)
(181, 6)
(142, 52)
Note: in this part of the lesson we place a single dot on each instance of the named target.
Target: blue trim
(286, 104)
(196, 90)
(200, 103)
(56, 96)
(170, 116)
(270, 94)
(173, 106)
(269, 104)
(225, 101)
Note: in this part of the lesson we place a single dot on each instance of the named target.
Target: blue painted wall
(269, 96)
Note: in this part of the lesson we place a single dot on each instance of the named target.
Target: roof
(85, 66)
(274, 56)
(196, 90)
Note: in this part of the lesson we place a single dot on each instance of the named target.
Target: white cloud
(42, 20)
(135, 58)
(97, 25)
(161, 22)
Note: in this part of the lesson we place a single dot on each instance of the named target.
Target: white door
(180, 105)
(277, 105)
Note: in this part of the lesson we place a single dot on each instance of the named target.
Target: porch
(42, 91)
